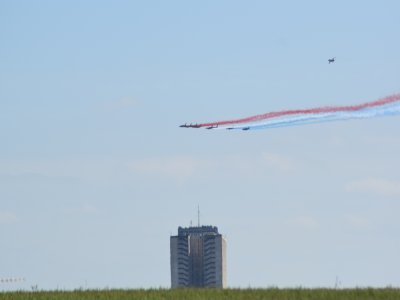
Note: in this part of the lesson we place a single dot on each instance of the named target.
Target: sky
(96, 175)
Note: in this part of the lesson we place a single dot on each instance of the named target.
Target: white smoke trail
(392, 109)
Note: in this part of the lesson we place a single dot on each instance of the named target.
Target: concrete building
(198, 258)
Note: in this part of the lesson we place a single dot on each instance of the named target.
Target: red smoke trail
(326, 109)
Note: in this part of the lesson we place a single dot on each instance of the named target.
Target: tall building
(198, 258)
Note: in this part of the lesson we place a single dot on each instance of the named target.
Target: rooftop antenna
(198, 215)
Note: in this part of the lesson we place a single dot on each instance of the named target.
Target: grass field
(199, 294)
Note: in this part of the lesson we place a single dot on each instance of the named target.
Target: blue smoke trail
(387, 110)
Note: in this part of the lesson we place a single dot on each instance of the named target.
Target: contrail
(389, 105)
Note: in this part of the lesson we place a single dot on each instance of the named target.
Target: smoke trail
(387, 110)
(393, 99)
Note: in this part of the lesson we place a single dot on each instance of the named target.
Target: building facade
(198, 258)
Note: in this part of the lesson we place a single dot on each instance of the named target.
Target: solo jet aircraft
(331, 60)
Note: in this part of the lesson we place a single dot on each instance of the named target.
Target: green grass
(199, 294)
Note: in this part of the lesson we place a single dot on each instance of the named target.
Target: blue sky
(95, 174)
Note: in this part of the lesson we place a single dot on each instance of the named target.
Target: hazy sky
(95, 174)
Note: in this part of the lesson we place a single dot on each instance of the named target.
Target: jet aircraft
(212, 127)
(245, 128)
(190, 126)
(331, 60)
